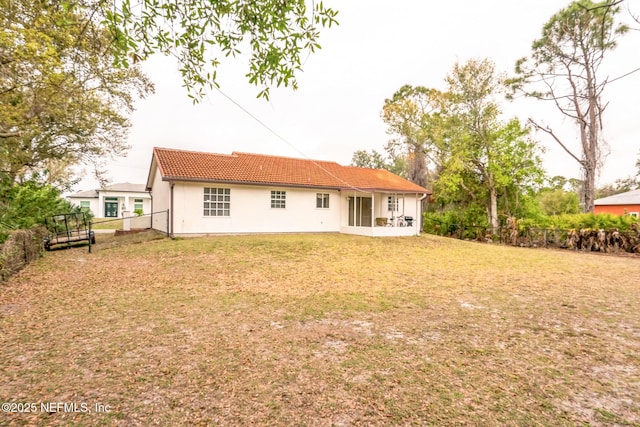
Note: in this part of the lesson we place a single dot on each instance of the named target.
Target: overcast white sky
(378, 47)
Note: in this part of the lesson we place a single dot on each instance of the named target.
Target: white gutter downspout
(419, 213)
(151, 203)
(171, 184)
(354, 209)
(373, 213)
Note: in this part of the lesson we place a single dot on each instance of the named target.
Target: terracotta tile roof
(274, 170)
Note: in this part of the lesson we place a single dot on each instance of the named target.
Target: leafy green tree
(491, 161)
(557, 201)
(61, 99)
(619, 186)
(562, 183)
(391, 160)
(28, 204)
(499, 174)
(559, 196)
(373, 160)
(413, 116)
(278, 33)
(455, 138)
(564, 68)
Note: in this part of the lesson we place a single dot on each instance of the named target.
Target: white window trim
(328, 199)
(278, 197)
(393, 200)
(226, 200)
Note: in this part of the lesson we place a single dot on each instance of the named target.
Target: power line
(281, 138)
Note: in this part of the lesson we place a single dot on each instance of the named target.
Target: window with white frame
(138, 205)
(322, 200)
(392, 204)
(278, 199)
(85, 205)
(635, 214)
(217, 201)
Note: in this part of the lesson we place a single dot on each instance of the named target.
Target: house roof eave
(256, 183)
(384, 190)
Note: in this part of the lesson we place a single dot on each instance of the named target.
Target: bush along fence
(20, 248)
(512, 233)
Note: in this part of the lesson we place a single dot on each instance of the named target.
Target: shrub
(23, 206)
(20, 248)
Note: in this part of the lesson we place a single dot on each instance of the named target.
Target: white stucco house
(208, 193)
(113, 200)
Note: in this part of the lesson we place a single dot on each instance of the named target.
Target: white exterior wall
(126, 199)
(251, 210)
(93, 203)
(161, 196)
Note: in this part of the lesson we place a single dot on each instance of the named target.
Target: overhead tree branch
(554, 136)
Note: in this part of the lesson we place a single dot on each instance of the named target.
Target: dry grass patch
(106, 224)
(323, 330)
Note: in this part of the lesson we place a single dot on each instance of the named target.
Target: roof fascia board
(152, 170)
(289, 185)
(261, 184)
(381, 190)
(123, 191)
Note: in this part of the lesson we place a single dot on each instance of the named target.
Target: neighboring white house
(209, 193)
(111, 201)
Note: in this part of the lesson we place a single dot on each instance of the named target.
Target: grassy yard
(322, 330)
(106, 224)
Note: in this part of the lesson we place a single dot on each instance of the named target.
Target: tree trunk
(589, 187)
(492, 210)
(590, 124)
(418, 165)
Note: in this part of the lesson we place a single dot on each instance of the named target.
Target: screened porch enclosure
(381, 214)
(360, 211)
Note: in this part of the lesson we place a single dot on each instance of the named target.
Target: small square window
(322, 200)
(217, 201)
(278, 199)
(392, 204)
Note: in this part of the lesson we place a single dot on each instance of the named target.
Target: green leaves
(60, 97)
(564, 67)
(474, 161)
(277, 33)
(28, 204)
